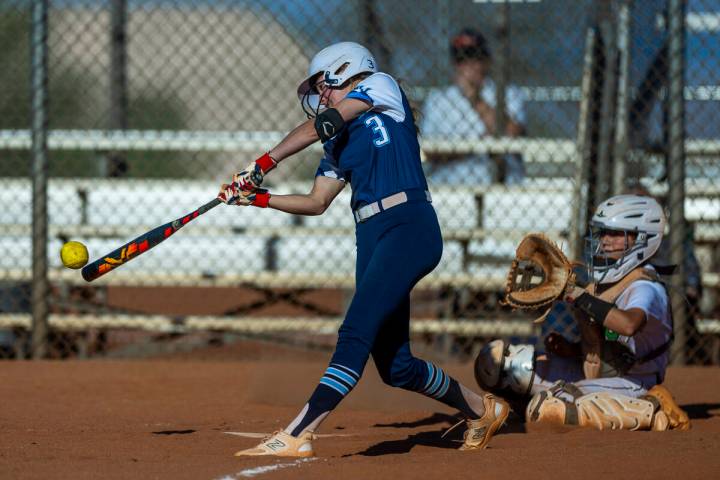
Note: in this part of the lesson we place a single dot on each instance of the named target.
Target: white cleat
(282, 444)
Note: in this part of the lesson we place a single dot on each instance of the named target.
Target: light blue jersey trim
(360, 96)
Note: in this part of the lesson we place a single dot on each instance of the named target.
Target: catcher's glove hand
(539, 274)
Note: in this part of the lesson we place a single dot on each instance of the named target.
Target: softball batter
(366, 125)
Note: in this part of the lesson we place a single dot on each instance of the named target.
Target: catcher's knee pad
(499, 366)
(563, 404)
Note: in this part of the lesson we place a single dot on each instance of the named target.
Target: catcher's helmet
(632, 214)
(337, 63)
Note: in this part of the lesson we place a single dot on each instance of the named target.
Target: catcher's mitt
(539, 274)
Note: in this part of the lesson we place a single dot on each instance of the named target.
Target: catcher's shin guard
(282, 444)
(564, 404)
(610, 411)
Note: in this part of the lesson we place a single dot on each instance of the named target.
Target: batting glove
(230, 195)
(252, 176)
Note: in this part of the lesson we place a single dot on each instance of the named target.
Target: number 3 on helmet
(337, 63)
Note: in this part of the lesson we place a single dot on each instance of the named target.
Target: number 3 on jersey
(381, 135)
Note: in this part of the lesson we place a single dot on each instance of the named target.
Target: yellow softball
(74, 255)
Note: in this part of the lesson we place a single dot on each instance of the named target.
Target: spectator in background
(466, 111)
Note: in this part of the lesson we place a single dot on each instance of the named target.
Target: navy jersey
(378, 152)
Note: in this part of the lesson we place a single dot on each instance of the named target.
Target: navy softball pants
(395, 249)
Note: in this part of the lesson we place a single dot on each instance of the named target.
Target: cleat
(282, 444)
(480, 431)
(677, 417)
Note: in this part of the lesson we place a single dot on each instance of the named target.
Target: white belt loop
(367, 211)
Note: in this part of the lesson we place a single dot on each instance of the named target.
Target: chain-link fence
(529, 113)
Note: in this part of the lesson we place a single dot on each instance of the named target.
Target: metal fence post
(620, 154)
(374, 34)
(502, 64)
(586, 126)
(676, 174)
(38, 75)
(608, 29)
(117, 163)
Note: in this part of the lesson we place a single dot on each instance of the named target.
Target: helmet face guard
(604, 267)
(310, 99)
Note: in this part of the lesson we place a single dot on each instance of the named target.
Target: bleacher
(268, 250)
(480, 227)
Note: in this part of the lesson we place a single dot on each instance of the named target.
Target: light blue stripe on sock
(444, 389)
(349, 370)
(438, 381)
(339, 387)
(431, 369)
(352, 381)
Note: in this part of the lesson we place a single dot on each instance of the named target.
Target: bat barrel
(141, 244)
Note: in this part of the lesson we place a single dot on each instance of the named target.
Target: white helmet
(636, 214)
(338, 63)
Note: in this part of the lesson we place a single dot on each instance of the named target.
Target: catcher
(612, 378)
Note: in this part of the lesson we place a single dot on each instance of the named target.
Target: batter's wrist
(261, 199)
(266, 163)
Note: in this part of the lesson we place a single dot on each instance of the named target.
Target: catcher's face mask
(611, 254)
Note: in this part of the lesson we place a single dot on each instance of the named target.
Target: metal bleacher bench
(481, 227)
(277, 249)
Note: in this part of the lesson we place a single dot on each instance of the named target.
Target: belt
(363, 213)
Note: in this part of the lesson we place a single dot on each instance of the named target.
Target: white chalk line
(263, 435)
(253, 472)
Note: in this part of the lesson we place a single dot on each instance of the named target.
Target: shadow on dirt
(174, 432)
(433, 419)
(391, 447)
(701, 410)
(433, 438)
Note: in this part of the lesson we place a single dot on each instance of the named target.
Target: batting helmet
(337, 63)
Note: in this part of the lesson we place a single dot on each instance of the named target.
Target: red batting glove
(252, 176)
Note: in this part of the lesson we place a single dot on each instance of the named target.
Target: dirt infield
(167, 419)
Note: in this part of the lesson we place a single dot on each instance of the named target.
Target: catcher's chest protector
(601, 357)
